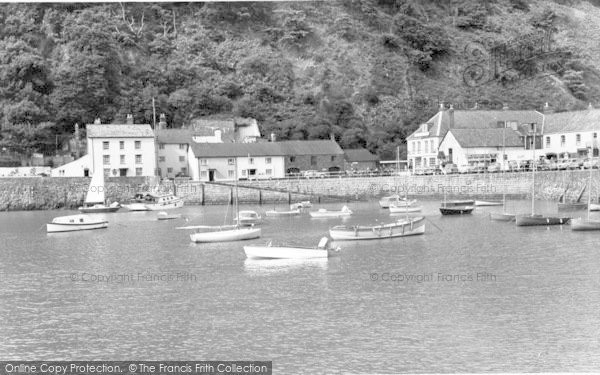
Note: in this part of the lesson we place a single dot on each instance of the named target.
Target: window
(161, 158)
(313, 160)
(183, 170)
(138, 171)
(231, 161)
(547, 141)
(231, 173)
(138, 159)
(431, 161)
(292, 159)
(578, 139)
(105, 145)
(182, 146)
(419, 147)
(138, 145)
(332, 158)
(203, 162)
(595, 135)
(269, 172)
(170, 170)
(267, 160)
(431, 146)
(426, 147)
(161, 146)
(562, 140)
(122, 159)
(159, 172)
(106, 159)
(203, 174)
(251, 161)
(121, 145)
(243, 172)
(182, 158)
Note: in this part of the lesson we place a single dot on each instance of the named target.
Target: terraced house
(571, 134)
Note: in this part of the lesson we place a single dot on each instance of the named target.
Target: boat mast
(502, 166)
(533, 170)
(589, 187)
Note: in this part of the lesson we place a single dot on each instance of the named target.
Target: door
(123, 172)
(450, 156)
(211, 175)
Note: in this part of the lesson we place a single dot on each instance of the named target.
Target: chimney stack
(97, 121)
(332, 136)
(273, 137)
(162, 122)
(441, 106)
(451, 116)
(129, 120)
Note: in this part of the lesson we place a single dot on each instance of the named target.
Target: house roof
(359, 154)
(574, 121)
(468, 138)
(439, 124)
(285, 148)
(119, 131)
(174, 136)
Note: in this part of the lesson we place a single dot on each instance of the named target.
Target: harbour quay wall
(40, 193)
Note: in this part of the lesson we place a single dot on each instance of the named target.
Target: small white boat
(95, 201)
(248, 218)
(489, 203)
(594, 207)
(581, 224)
(163, 215)
(223, 233)
(322, 250)
(75, 222)
(275, 213)
(299, 205)
(400, 228)
(322, 212)
(157, 202)
(138, 202)
(404, 209)
(385, 202)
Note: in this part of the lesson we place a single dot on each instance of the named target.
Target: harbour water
(470, 295)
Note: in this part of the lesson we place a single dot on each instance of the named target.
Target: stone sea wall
(39, 193)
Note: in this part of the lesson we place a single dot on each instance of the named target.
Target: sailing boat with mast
(95, 201)
(587, 224)
(533, 219)
(224, 233)
(503, 216)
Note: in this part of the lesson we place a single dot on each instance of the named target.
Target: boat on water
(572, 206)
(95, 201)
(456, 210)
(322, 212)
(275, 213)
(225, 233)
(594, 207)
(75, 223)
(404, 209)
(587, 224)
(502, 216)
(248, 218)
(300, 205)
(162, 201)
(401, 228)
(268, 251)
(163, 215)
(458, 202)
(138, 202)
(488, 203)
(533, 218)
(385, 202)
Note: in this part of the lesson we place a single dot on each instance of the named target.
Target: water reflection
(265, 267)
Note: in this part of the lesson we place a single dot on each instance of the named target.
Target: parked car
(314, 174)
(562, 164)
(450, 169)
(494, 167)
(575, 164)
(591, 163)
(512, 166)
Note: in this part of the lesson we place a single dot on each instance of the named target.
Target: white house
(571, 134)
(424, 143)
(218, 161)
(77, 168)
(121, 149)
(173, 152)
(220, 128)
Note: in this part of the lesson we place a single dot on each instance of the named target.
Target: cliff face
(366, 70)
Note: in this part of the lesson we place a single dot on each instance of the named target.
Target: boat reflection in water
(264, 267)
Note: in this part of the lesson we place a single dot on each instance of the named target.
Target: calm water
(542, 312)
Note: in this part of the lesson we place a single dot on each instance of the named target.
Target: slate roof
(174, 136)
(359, 154)
(439, 124)
(119, 131)
(468, 138)
(574, 121)
(284, 148)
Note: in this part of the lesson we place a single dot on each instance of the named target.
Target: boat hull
(404, 209)
(594, 207)
(464, 202)
(238, 234)
(580, 225)
(528, 220)
(488, 203)
(317, 214)
(136, 207)
(502, 217)
(457, 210)
(283, 252)
(166, 206)
(282, 213)
(75, 223)
(572, 206)
(98, 210)
(414, 227)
